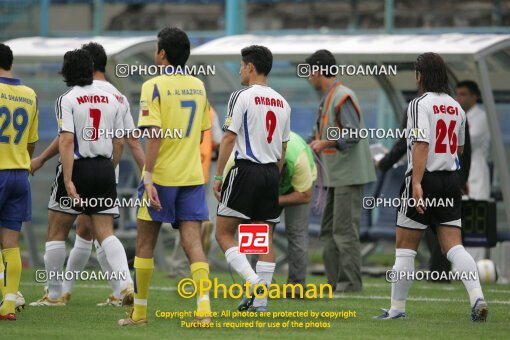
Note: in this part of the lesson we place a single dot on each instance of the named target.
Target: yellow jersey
(18, 123)
(177, 104)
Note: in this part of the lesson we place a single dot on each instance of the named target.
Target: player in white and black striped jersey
(257, 128)
(80, 254)
(435, 125)
(85, 174)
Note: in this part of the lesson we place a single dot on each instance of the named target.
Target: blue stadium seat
(503, 236)
(127, 174)
(384, 227)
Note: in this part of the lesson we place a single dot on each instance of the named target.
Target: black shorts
(250, 192)
(442, 197)
(94, 179)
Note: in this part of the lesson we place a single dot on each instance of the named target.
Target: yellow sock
(200, 272)
(142, 280)
(2, 283)
(12, 258)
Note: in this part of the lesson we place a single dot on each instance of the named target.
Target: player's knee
(145, 251)
(56, 234)
(219, 237)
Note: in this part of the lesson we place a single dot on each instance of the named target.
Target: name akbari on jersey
(260, 117)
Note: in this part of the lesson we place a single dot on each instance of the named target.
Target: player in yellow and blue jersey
(18, 134)
(174, 111)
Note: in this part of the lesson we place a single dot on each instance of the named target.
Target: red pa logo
(253, 238)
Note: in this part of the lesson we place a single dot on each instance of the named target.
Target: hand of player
(73, 194)
(418, 198)
(217, 189)
(35, 164)
(152, 195)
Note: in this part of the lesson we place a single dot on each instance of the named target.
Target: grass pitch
(434, 311)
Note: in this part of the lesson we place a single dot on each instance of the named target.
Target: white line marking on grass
(439, 287)
(89, 286)
(335, 296)
(416, 298)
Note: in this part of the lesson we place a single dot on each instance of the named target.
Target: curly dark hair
(98, 55)
(78, 68)
(434, 77)
(176, 44)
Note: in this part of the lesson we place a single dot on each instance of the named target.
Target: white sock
(265, 270)
(404, 262)
(241, 265)
(464, 263)
(54, 258)
(105, 268)
(117, 259)
(78, 258)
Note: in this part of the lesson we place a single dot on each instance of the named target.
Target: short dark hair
(471, 86)
(5, 57)
(78, 68)
(322, 57)
(260, 56)
(98, 55)
(434, 77)
(176, 44)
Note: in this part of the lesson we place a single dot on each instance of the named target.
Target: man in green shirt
(296, 184)
(348, 165)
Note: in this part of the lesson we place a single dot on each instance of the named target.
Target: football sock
(12, 277)
(463, 262)
(54, 258)
(241, 265)
(105, 268)
(265, 270)
(404, 262)
(116, 256)
(142, 280)
(200, 273)
(78, 258)
(2, 283)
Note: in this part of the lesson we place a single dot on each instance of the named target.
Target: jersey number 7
(193, 106)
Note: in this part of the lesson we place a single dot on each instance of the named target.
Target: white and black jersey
(127, 118)
(437, 119)
(83, 111)
(260, 117)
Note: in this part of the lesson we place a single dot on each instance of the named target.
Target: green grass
(446, 317)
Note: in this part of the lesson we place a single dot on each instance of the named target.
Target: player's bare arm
(66, 147)
(460, 150)
(37, 162)
(282, 158)
(30, 149)
(226, 147)
(118, 146)
(152, 149)
(420, 153)
(137, 151)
